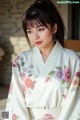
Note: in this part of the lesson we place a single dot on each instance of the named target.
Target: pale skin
(43, 35)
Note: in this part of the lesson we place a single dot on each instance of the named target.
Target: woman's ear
(54, 28)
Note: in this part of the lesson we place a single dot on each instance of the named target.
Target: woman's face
(40, 35)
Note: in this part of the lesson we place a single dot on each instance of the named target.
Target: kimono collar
(53, 58)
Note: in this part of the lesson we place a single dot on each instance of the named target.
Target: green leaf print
(19, 67)
(22, 63)
(51, 73)
(63, 81)
(58, 67)
(64, 66)
(22, 59)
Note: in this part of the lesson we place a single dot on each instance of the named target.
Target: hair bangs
(32, 23)
(35, 17)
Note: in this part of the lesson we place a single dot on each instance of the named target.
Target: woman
(45, 79)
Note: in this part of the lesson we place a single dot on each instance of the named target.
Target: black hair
(42, 12)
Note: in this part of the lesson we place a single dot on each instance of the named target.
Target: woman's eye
(41, 29)
(28, 31)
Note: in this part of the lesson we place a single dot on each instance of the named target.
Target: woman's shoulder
(71, 53)
(24, 55)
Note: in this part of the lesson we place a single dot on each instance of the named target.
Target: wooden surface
(72, 44)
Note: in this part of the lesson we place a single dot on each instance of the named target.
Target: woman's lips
(38, 43)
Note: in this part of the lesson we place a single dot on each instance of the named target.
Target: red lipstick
(38, 43)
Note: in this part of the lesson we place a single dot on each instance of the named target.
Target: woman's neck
(45, 52)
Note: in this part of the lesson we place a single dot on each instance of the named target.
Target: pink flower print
(67, 75)
(77, 74)
(14, 64)
(23, 76)
(16, 61)
(14, 117)
(59, 74)
(17, 58)
(75, 82)
(48, 117)
(28, 82)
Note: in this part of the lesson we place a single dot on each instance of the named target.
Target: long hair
(42, 12)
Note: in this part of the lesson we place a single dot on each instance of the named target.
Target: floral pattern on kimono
(47, 86)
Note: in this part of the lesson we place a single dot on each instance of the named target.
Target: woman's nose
(36, 35)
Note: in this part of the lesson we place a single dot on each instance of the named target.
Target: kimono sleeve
(70, 109)
(16, 103)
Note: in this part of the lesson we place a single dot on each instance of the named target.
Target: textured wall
(12, 38)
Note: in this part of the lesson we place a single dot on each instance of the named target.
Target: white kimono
(45, 91)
